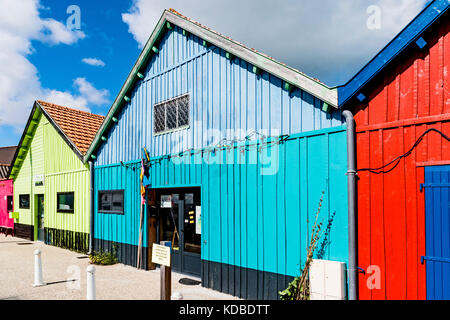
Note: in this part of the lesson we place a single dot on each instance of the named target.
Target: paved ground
(117, 282)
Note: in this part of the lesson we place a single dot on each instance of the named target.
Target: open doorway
(175, 216)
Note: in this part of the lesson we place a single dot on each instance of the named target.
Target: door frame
(180, 226)
(36, 212)
(430, 228)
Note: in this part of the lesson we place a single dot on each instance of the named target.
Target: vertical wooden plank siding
(227, 100)
(33, 165)
(273, 228)
(255, 225)
(406, 100)
(63, 171)
(6, 189)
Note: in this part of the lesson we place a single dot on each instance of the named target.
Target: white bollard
(176, 296)
(90, 295)
(38, 281)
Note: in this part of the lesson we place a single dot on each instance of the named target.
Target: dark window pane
(159, 118)
(24, 201)
(10, 201)
(171, 114)
(111, 202)
(65, 202)
(183, 111)
(117, 202)
(105, 202)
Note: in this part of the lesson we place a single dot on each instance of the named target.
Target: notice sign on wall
(198, 220)
(38, 180)
(161, 255)
(166, 201)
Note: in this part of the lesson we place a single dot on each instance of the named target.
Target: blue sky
(41, 58)
(107, 39)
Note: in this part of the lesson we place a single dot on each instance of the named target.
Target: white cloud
(20, 85)
(326, 39)
(54, 32)
(87, 95)
(93, 62)
(92, 95)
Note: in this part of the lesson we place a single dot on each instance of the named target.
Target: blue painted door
(437, 259)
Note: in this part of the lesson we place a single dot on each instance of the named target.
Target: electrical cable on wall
(230, 144)
(380, 170)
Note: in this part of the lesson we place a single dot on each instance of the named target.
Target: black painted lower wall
(126, 253)
(245, 283)
(24, 231)
(71, 240)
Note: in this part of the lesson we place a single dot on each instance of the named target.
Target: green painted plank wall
(49, 155)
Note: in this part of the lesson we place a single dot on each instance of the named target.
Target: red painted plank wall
(406, 100)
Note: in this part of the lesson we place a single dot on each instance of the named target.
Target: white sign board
(38, 180)
(198, 220)
(166, 201)
(161, 255)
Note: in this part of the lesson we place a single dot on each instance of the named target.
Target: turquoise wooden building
(238, 149)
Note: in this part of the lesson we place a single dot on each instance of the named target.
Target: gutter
(351, 180)
(91, 215)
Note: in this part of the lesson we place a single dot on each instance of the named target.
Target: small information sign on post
(161, 256)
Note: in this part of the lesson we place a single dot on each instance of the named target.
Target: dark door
(190, 242)
(40, 217)
(179, 223)
(437, 228)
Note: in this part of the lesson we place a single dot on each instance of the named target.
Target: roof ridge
(290, 76)
(244, 45)
(79, 127)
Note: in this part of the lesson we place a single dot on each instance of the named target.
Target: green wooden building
(52, 184)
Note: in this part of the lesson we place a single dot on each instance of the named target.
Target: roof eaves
(285, 73)
(409, 34)
(22, 139)
(128, 83)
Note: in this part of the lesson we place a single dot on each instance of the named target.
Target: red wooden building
(402, 220)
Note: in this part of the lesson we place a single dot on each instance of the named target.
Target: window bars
(171, 115)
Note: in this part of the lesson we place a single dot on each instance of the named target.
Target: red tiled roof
(79, 126)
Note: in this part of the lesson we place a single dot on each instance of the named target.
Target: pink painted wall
(6, 189)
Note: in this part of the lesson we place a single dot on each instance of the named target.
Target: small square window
(24, 201)
(65, 202)
(111, 201)
(171, 114)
